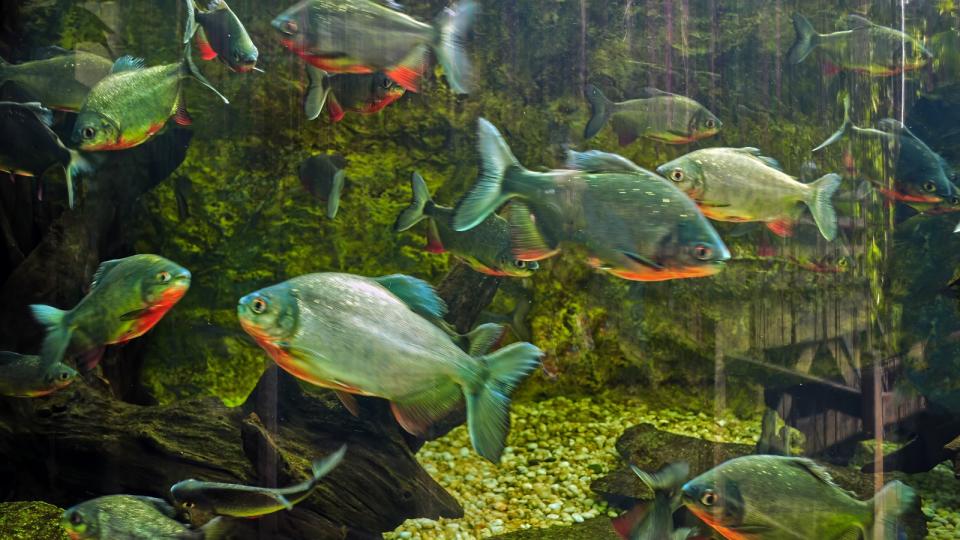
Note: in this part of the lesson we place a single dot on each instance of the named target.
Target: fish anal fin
(89, 359)
(624, 524)
(830, 69)
(416, 413)
(349, 402)
(182, 117)
(409, 72)
(434, 244)
(334, 109)
(781, 227)
(203, 46)
(640, 259)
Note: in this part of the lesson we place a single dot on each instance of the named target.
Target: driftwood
(80, 443)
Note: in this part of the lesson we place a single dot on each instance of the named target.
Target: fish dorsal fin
(127, 63)
(755, 152)
(597, 161)
(50, 51)
(650, 92)
(855, 21)
(892, 125)
(667, 478)
(161, 505)
(816, 470)
(417, 294)
(102, 272)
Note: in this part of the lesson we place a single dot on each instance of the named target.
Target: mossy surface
(30, 520)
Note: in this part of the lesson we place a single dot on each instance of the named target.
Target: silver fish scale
(355, 332)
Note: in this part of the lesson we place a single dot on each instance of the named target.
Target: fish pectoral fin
(417, 412)
(349, 402)
(640, 259)
(135, 314)
(527, 243)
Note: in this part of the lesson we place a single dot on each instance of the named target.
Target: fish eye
(387, 83)
(954, 200)
(163, 277)
(709, 498)
(702, 252)
(290, 27)
(237, 56)
(189, 505)
(711, 124)
(258, 306)
(677, 175)
(76, 518)
(88, 132)
(64, 375)
(929, 186)
(520, 264)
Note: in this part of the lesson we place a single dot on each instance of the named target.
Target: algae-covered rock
(30, 520)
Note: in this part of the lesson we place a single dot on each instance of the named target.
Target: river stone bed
(557, 447)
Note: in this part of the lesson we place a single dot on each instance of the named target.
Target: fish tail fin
(321, 467)
(844, 127)
(190, 26)
(488, 193)
(821, 204)
(57, 339)
(318, 88)
(217, 528)
(807, 38)
(488, 397)
(77, 167)
(413, 214)
(600, 110)
(889, 504)
(452, 25)
(191, 69)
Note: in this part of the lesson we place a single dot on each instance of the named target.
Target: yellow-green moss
(30, 520)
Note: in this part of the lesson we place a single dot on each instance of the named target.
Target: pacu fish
(220, 35)
(237, 500)
(131, 517)
(59, 82)
(362, 36)
(758, 497)
(24, 375)
(865, 47)
(126, 299)
(635, 224)
(922, 177)
(740, 184)
(655, 115)
(374, 337)
(324, 177)
(363, 93)
(134, 102)
(654, 520)
(486, 247)
(28, 146)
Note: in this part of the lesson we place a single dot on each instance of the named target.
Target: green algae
(30, 520)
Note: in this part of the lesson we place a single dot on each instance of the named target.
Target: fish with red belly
(361, 36)
(126, 299)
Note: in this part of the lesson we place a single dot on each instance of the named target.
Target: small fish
(486, 247)
(381, 39)
(28, 146)
(59, 82)
(24, 375)
(922, 177)
(740, 184)
(365, 93)
(864, 47)
(219, 34)
(634, 224)
(656, 115)
(654, 521)
(133, 103)
(132, 517)
(375, 337)
(324, 176)
(127, 298)
(758, 497)
(237, 500)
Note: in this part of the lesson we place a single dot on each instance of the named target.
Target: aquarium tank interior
(461, 269)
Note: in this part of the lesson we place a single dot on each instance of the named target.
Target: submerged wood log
(80, 443)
